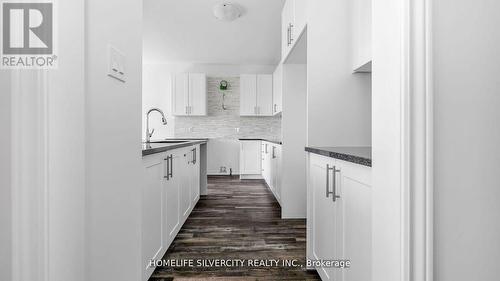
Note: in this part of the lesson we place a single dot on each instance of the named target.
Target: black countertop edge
(357, 155)
(153, 148)
(260, 139)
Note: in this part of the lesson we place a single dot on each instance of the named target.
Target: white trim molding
(417, 141)
(30, 254)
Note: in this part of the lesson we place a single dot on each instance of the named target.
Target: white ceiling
(187, 31)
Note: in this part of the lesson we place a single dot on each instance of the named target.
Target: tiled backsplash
(228, 123)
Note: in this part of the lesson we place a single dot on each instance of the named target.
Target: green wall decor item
(223, 85)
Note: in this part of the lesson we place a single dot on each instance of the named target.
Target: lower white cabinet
(339, 217)
(153, 214)
(271, 167)
(171, 189)
(250, 159)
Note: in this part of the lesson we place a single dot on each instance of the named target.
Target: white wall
(5, 178)
(466, 41)
(113, 142)
(293, 192)
(66, 146)
(339, 102)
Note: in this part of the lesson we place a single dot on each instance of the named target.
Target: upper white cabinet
(362, 35)
(278, 89)
(339, 217)
(256, 95)
(189, 94)
(293, 21)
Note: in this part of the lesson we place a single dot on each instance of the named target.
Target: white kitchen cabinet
(322, 216)
(266, 161)
(170, 191)
(278, 89)
(265, 94)
(293, 21)
(340, 228)
(194, 167)
(250, 159)
(185, 187)
(256, 95)
(271, 167)
(276, 171)
(189, 94)
(172, 196)
(362, 31)
(152, 209)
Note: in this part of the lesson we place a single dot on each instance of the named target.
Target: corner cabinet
(189, 94)
(256, 95)
(339, 217)
(170, 190)
(293, 22)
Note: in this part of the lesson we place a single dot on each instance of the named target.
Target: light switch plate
(116, 64)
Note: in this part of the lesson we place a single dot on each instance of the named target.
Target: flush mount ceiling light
(226, 11)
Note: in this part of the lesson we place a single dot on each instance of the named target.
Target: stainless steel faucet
(163, 119)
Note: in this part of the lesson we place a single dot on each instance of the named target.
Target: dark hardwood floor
(238, 220)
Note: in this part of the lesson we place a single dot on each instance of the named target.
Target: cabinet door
(265, 162)
(152, 209)
(324, 215)
(277, 173)
(197, 94)
(265, 94)
(248, 95)
(300, 18)
(180, 94)
(185, 188)
(250, 159)
(272, 172)
(286, 22)
(277, 89)
(195, 175)
(173, 198)
(354, 212)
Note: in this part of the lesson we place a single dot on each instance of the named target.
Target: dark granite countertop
(261, 139)
(356, 154)
(169, 144)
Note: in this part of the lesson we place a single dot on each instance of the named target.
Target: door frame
(417, 141)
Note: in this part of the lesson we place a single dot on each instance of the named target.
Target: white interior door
(248, 94)
(265, 94)
(197, 94)
(180, 94)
